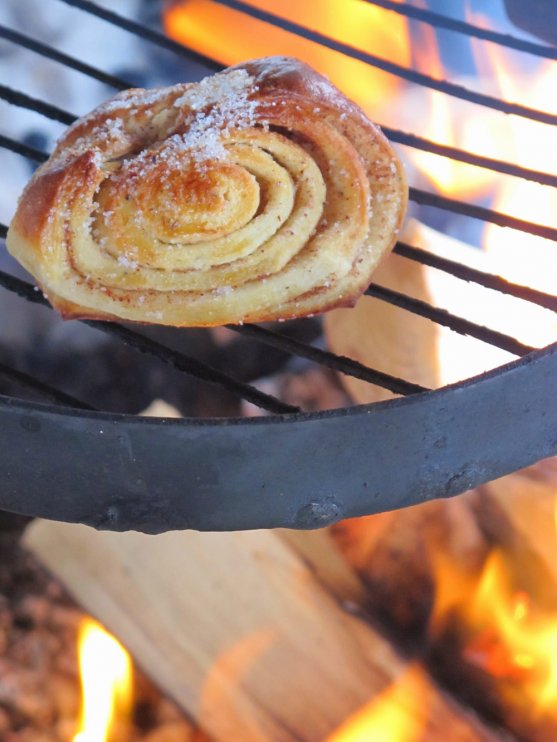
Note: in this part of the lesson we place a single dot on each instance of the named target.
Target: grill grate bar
(426, 198)
(456, 91)
(443, 317)
(411, 252)
(324, 358)
(144, 32)
(330, 360)
(408, 251)
(465, 273)
(468, 29)
(23, 149)
(470, 158)
(180, 361)
(440, 316)
(193, 367)
(47, 51)
(183, 363)
(34, 104)
(416, 194)
(45, 390)
(395, 135)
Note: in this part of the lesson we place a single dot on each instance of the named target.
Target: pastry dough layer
(260, 193)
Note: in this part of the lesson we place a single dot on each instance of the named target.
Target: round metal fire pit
(295, 471)
(290, 470)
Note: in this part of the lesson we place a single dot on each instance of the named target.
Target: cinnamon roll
(259, 193)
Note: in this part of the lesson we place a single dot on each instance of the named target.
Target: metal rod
(23, 149)
(412, 76)
(452, 24)
(190, 365)
(324, 358)
(395, 135)
(427, 198)
(144, 32)
(457, 91)
(34, 104)
(453, 153)
(463, 272)
(45, 390)
(180, 361)
(443, 317)
(411, 11)
(47, 51)
(194, 367)
(488, 280)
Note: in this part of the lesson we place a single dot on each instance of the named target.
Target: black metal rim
(123, 472)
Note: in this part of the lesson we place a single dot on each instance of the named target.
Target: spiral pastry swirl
(260, 193)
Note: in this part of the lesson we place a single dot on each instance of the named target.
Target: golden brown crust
(261, 193)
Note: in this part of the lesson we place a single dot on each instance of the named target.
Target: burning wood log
(398, 342)
(392, 340)
(321, 554)
(365, 333)
(519, 512)
(236, 628)
(424, 564)
(391, 551)
(394, 555)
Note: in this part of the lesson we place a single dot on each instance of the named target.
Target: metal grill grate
(276, 339)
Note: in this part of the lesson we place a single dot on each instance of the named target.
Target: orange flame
(526, 259)
(395, 715)
(509, 639)
(517, 256)
(232, 37)
(105, 669)
(447, 121)
(490, 133)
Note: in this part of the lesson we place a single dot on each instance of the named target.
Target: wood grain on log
(237, 629)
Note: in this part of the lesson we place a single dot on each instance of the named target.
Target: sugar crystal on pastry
(227, 95)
